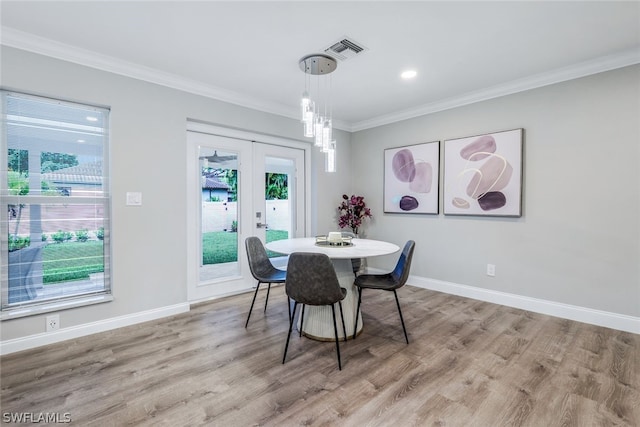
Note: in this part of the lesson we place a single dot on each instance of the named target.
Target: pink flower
(353, 211)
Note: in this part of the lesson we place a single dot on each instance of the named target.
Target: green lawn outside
(222, 246)
(67, 261)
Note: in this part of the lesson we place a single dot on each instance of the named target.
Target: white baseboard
(32, 341)
(620, 322)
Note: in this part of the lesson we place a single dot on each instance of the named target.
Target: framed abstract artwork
(483, 175)
(411, 178)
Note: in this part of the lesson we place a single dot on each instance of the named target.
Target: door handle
(261, 225)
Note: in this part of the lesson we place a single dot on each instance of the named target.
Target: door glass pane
(278, 196)
(219, 189)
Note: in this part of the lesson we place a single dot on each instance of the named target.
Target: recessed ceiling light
(409, 74)
(92, 118)
(81, 141)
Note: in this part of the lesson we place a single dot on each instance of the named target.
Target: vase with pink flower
(352, 213)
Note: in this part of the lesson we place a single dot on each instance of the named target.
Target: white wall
(578, 240)
(148, 154)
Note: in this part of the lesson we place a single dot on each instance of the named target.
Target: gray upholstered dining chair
(262, 270)
(387, 282)
(312, 280)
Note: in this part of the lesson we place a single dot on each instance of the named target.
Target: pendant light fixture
(316, 109)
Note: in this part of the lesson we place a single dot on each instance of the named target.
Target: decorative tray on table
(334, 240)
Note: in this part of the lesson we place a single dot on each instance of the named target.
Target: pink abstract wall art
(483, 174)
(411, 178)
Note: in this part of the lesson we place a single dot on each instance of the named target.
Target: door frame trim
(192, 166)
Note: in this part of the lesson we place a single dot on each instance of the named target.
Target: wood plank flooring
(469, 363)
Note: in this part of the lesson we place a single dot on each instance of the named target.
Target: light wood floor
(469, 363)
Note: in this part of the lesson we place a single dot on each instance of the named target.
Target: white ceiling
(248, 52)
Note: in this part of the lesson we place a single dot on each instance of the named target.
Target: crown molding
(583, 69)
(32, 43)
(40, 45)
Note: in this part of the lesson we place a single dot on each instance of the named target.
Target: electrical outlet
(491, 270)
(53, 322)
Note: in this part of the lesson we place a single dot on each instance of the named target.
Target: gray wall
(578, 240)
(148, 154)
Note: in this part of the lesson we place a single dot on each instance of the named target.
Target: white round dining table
(318, 320)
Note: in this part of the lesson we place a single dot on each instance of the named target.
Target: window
(54, 212)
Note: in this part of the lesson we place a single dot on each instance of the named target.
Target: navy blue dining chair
(387, 282)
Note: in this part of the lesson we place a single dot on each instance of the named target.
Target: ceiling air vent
(345, 49)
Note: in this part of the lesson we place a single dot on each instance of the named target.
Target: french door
(239, 187)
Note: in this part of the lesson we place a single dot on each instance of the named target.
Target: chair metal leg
(401, 319)
(335, 331)
(286, 346)
(301, 318)
(344, 329)
(355, 327)
(289, 307)
(252, 302)
(266, 300)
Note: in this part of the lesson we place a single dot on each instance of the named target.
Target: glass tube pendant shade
(317, 131)
(316, 125)
(308, 119)
(330, 158)
(305, 103)
(326, 135)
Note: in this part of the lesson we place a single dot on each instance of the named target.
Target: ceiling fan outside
(215, 158)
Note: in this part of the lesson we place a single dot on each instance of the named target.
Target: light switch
(134, 198)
